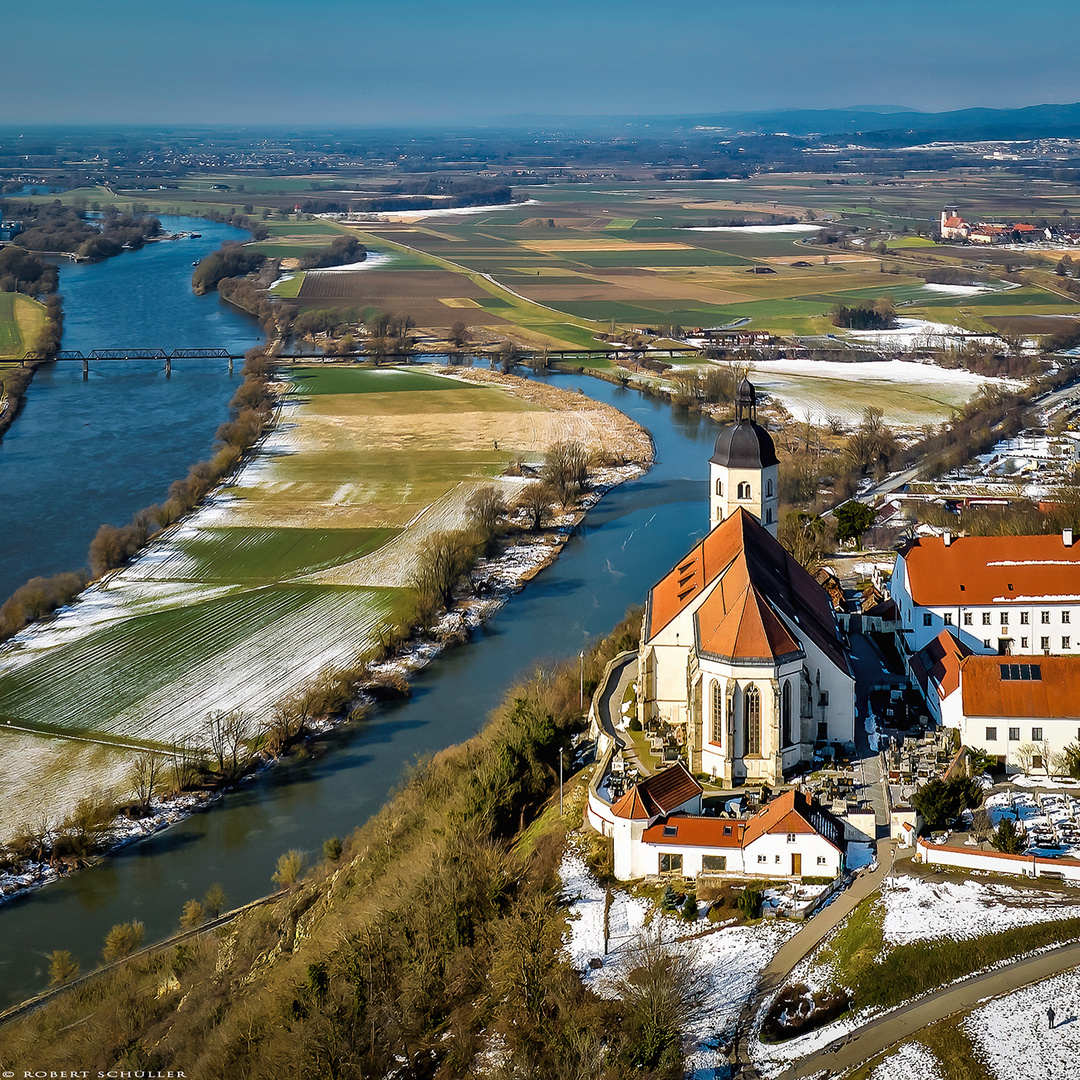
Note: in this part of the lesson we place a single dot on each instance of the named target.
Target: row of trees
(865, 315)
(341, 250)
(22, 271)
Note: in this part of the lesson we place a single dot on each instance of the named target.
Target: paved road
(863, 1043)
(808, 938)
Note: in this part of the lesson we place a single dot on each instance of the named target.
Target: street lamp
(581, 690)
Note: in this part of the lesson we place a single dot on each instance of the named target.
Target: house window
(727, 830)
(986, 643)
(713, 863)
(824, 699)
(670, 863)
(1014, 734)
(768, 515)
(1036, 734)
(785, 714)
(967, 618)
(1064, 616)
(753, 720)
(1023, 643)
(948, 618)
(719, 487)
(717, 712)
(1023, 618)
(743, 490)
(763, 858)
(768, 489)
(991, 734)
(791, 838)
(1044, 643)
(986, 618)
(1044, 616)
(776, 858)
(1065, 642)
(927, 618)
(1004, 618)
(821, 860)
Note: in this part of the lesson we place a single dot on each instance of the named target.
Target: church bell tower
(744, 468)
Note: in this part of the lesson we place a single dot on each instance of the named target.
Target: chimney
(947, 538)
(1066, 537)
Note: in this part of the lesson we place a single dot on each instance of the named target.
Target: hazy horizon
(425, 63)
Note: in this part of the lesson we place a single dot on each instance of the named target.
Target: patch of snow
(1014, 1037)
(920, 910)
(911, 1061)
(795, 228)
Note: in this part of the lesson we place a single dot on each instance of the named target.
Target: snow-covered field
(921, 910)
(910, 393)
(732, 957)
(1013, 1036)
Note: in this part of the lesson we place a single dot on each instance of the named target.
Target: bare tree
(144, 777)
(227, 733)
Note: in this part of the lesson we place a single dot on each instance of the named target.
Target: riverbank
(152, 589)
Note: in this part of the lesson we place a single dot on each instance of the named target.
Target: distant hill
(881, 125)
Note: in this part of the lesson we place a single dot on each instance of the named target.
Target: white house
(672, 791)
(792, 836)
(740, 652)
(995, 594)
(1023, 712)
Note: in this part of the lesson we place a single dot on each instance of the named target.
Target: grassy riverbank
(303, 564)
(431, 942)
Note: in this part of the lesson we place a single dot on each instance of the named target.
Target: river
(626, 543)
(84, 453)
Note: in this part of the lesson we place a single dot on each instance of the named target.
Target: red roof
(662, 793)
(992, 570)
(740, 554)
(939, 662)
(793, 812)
(953, 222)
(692, 831)
(1044, 687)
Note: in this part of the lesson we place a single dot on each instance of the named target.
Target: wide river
(625, 544)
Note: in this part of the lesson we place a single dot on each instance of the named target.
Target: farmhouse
(740, 653)
(995, 594)
(791, 836)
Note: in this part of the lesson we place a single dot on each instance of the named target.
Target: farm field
(291, 570)
(20, 319)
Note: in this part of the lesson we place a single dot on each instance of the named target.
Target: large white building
(1011, 595)
(740, 651)
(1023, 711)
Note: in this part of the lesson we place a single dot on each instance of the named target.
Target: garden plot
(1013, 1037)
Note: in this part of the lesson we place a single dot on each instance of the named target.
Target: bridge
(166, 356)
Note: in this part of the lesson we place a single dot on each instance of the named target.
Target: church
(740, 652)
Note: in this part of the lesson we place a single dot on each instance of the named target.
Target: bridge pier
(85, 370)
(168, 368)
(230, 365)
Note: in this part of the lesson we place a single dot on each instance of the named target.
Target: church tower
(744, 468)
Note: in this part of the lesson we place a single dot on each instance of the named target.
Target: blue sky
(433, 61)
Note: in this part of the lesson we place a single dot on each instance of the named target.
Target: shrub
(332, 849)
(122, 940)
(689, 908)
(214, 900)
(290, 868)
(63, 967)
(716, 912)
(194, 915)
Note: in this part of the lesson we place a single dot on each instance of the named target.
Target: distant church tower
(744, 469)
